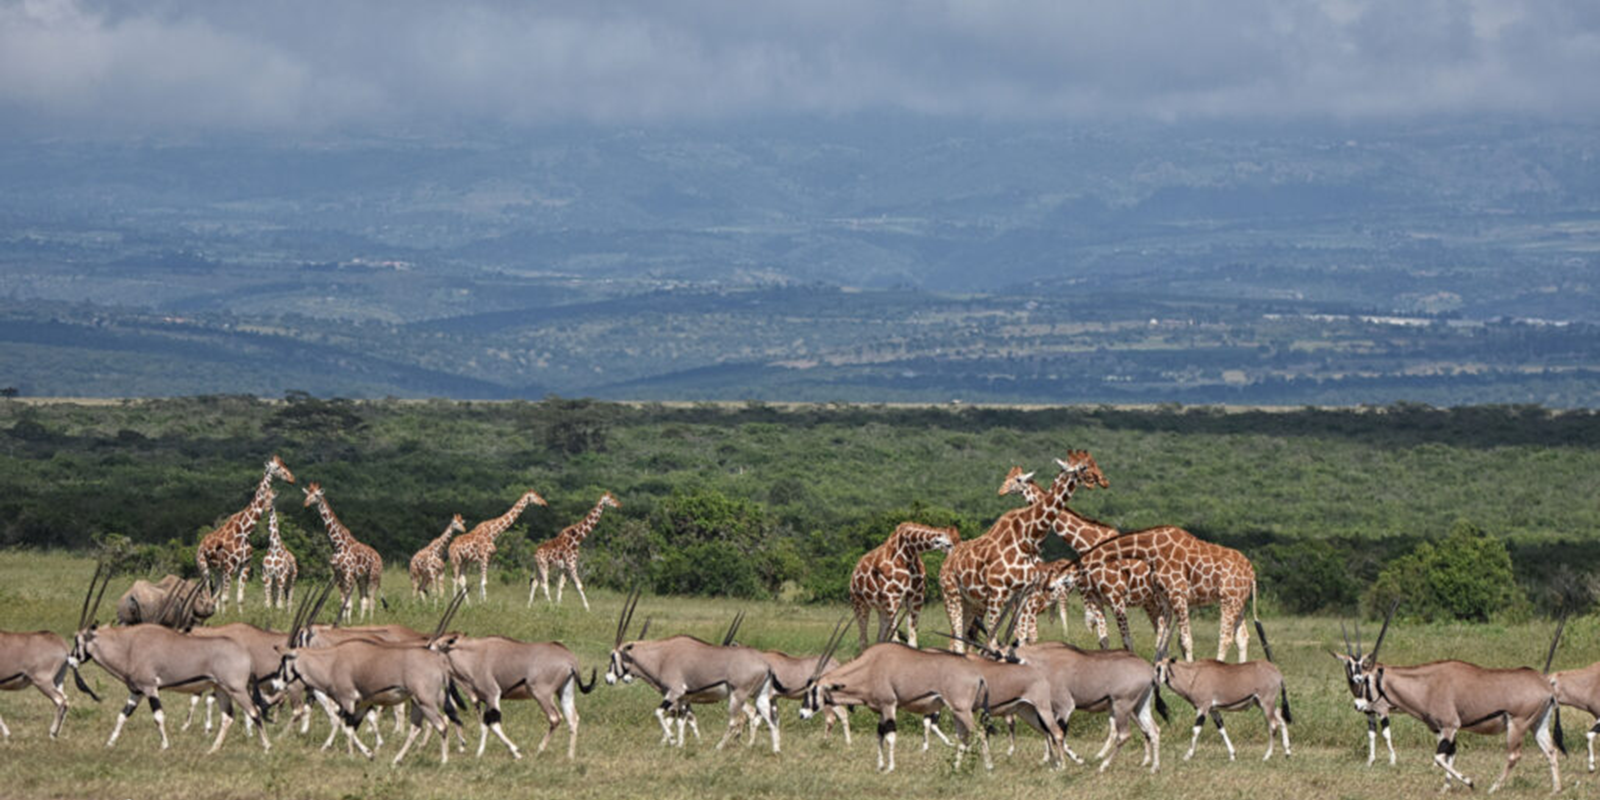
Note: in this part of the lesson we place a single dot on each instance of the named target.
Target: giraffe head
(609, 499)
(457, 525)
(923, 538)
(276, 468)
(1016, 482)
(314, 493)
(533, 497)
(1077, 470)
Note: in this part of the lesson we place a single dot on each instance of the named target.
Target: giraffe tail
(1253, 611)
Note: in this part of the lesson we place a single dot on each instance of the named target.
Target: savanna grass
(619, 754)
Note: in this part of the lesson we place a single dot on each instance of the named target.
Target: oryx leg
(768, 710)
(1222, 730)
(931, 723)
(1590, 736)
(1372, 738)
(399, 718)
(1544, 738)
(843, 715)
(966, 726)
(492, 722)
(1445, 757)
(134, 696)
(1199, 725)
(735, 717)
(666, 727)
(58, 697)
(886, 731)
(1271, 716)
(160, 718)
(1388, 739)
(569, 709)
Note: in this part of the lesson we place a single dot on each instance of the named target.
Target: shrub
(1465, 576)
(1307, 576)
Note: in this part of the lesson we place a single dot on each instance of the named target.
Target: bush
(1307, 576)
(1465, 576)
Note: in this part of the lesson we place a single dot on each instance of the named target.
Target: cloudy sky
(75, 67)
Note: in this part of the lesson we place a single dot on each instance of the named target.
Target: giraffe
(985, 572)
(477, 546)
(562, 551)
(227, 548)
(1187, 571)
(278, 566)
(427, 566)
(355, 565)
(891, 576)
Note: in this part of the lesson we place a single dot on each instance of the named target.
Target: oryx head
(85, 634)
(1360, 671)
(817, 695)
(620, 666)
(299, 636)
(277, 469)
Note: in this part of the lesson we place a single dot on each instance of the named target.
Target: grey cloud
(305, 66)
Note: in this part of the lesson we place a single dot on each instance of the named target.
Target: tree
(1466, 575)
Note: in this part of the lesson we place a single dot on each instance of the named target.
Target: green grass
(618, 752)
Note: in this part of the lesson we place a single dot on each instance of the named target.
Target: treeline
(760, 500)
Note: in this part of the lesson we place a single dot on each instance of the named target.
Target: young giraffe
(355, 565)
(477, 546)
(427, 566)
(227, 548)
(891, 576)
(985, 572)
(562, 551)
(278, 566)
(1187, 572)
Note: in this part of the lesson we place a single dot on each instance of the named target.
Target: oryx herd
(995, 670)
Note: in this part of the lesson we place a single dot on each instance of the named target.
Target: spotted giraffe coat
(891, 576)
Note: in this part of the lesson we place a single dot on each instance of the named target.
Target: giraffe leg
(863, 613)
(913, 613)
(1121, 610)
(953, 610)
(577, 584)
(561, 585)
(244, 576)
(483, 581)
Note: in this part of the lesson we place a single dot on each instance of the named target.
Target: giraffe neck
(274, 541)
(337, 532)
(493, 528)
(585, 526)
(1079, 531)
(258, 506)
(909, 542)
(438, 545)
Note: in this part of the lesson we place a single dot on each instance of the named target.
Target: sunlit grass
(618, 753)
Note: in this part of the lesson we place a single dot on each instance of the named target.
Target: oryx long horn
(449, 612)
(626, 615)
(733, 629)
(1373, 656)
(83, 613)
(1015, 609)
(980, 646)
(95, 608)
(644, 630)
(1551, 657)
(828, 650)
(1358, 635)
(1345, 632)
(888, 634)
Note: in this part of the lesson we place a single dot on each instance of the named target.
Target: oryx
(360, 674)
(890, 677)
(1578, 688)
(150, 658)
(1213, 686)
(790, 672)
(495, 668)
(686, 670)
(39, 659)
(1453, 696)
(1378, 711)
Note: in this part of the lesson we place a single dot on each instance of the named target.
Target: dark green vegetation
(758, 500)
(869, 260)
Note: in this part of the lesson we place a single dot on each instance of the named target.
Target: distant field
(618, 754)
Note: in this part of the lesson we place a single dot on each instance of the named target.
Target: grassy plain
(618, 753)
